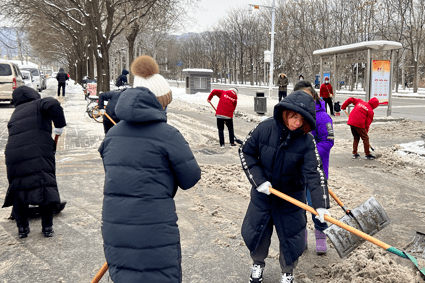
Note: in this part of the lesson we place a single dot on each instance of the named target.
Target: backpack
(118, 82)
(337, 107)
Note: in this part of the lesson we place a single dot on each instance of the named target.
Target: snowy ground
(211, 213)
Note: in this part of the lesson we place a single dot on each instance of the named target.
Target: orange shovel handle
(212, 106)
(100, 274)
(336, 199)
(56, 139)
(113, 122)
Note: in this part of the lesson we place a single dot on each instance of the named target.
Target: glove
(102, 111)
(322, 212)
(58, 131)
(264, 188)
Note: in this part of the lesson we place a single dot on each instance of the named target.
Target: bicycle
(92, 108)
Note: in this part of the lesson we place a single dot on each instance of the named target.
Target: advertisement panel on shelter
(380, 87)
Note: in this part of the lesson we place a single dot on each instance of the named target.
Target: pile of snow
(416, 148)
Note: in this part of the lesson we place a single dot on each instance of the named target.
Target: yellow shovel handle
(332, 220)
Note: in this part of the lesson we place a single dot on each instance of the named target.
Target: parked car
(10, 79)
(39, 79)
(28, 79)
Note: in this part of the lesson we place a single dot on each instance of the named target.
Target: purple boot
(321, 247)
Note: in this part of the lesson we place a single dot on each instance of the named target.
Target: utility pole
(271, 43)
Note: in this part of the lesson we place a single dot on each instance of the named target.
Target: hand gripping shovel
(236, 139)
(350, 229)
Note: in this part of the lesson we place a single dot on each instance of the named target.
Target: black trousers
(282, 95)
(107, 124)
(220, 126)
(61, 85)
(262, 251)
(20, 211)
(328, 101)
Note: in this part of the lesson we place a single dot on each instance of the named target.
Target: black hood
(300, 102)
(124, 72)
(24, 94)
(139, 104)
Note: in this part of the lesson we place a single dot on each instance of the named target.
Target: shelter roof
(380, 45)
(193, 70)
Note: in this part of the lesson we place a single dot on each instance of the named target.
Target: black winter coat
(30, 149)
(62, 77)
(112, 98)
(290, 161)
(145, 160)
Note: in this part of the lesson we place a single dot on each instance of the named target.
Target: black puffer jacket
(145, 160)
(62, 77)
(290, 161)
(112, 98)
(30, 149)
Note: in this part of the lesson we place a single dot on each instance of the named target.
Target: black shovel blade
(369, 218)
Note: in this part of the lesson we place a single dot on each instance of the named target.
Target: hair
(286, 114)
(302, 85)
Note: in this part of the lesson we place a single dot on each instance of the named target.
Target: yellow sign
(380, 87)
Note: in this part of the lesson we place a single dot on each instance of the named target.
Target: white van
(10, 79)
(28, 79)
(39, 80)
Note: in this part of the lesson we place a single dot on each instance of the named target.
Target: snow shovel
(418, 244)
(369, 143)
(236, 139)
(369, 217)
(360, 234)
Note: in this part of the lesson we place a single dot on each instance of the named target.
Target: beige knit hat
(146, 74)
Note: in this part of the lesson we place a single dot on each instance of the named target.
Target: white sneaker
(221, 146)
(287, 278)
(256, 274)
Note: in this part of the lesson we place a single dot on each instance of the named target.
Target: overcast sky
(209, 12)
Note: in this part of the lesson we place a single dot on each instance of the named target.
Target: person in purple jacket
(324, 137)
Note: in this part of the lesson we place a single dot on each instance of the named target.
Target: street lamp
(271, 43)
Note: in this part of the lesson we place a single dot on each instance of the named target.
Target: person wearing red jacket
(359, 120)
(326, 92)
(224, 113)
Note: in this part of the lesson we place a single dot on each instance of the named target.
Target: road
(407, 107)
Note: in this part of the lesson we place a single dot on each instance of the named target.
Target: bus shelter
(379, 57)
(197, 80)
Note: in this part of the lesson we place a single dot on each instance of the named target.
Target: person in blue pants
(324, 137)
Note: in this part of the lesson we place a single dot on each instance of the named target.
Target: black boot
(23, 232)
(48, 231)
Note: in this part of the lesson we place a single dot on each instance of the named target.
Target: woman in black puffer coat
(281, 153)
(145, 160)
(30, 157)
